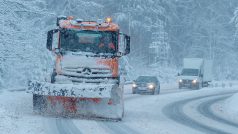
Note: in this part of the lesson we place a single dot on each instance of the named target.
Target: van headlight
(194, 81)
(134, 85)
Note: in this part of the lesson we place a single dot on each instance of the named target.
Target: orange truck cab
(85, 79)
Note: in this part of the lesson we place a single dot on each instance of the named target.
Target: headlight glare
(134, 85)
(194, 81)
(151, 86)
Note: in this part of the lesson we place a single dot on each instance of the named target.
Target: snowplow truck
(85, 80)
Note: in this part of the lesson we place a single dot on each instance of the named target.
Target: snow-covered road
(195, 113)
(173, 111)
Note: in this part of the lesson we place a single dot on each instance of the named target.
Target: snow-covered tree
(194, 28)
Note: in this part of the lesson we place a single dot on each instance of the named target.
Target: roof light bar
(70, 18)
(79, 20)
(60, 18)
(99, 21)
(108, 20)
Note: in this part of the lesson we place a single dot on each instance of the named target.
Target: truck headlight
(194, 81)
(151, 86)
(180, 81)
(134, 85)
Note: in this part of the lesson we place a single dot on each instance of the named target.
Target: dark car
(146, 84)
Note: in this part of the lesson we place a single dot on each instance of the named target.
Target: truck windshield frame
(89, 41)
(190, 72)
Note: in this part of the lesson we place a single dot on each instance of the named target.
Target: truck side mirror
(178, 74)
(60, 18)
(124, 44)
(128, 47)
(50, 38)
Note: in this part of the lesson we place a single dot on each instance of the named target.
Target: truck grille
(88, 75)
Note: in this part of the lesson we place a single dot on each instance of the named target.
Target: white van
(196, 73)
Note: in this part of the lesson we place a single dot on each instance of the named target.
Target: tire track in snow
(206, 110)
(120, 127)
(175, 112)
(66, 126)
(113, 127)
(117, 128)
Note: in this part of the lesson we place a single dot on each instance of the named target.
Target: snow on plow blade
(88, 100)
(70, 90)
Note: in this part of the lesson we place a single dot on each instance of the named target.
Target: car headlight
(180, 80)
(194, 81)
(134, 85)
(151, 86)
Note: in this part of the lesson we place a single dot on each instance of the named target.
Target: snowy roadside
(145, 112)
(16, 114)
(141, 111)
(228, 108)
(231, 107)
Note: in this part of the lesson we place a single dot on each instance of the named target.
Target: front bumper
(188, 84)
(84, 90)
(143, 90)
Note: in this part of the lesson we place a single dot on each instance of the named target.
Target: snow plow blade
(104, 102)
(70, 90)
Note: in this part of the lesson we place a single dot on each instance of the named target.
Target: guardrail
(223, 84)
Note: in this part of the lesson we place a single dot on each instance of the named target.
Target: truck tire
(39, 103)
(205, 84)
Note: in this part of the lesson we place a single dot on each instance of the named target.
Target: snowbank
(23, 55)
(16, 116)
(231, 106)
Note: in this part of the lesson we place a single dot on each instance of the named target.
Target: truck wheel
(39, 103)
(205, 84)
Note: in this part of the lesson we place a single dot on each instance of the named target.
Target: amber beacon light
(108, 19)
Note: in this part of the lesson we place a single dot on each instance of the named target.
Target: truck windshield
(88, 41)
(190, 72)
